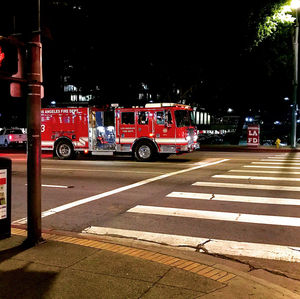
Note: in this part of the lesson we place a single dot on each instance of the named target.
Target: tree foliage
(275, 17)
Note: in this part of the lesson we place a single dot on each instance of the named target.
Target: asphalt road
(228, 203)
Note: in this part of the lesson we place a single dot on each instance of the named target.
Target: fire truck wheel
(144, 152)
(64, 150)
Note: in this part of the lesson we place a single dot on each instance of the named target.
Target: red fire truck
(156, 129)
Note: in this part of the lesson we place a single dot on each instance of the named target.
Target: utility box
(5, 198)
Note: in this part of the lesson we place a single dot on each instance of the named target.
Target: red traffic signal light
(8, 57)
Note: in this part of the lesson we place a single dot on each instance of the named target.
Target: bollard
(5, 198)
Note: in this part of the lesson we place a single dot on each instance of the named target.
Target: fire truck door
(144, 124)
(127, 127)
(165, 131)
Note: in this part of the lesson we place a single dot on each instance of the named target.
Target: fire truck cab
(146, 132)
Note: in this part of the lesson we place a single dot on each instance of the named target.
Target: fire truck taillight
(151, 134)
(86, 151)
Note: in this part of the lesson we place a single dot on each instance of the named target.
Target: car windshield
(184, 118)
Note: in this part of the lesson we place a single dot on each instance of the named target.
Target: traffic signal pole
(295, 85)
(34, 141)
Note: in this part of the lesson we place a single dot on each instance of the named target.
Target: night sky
(202, 48)
(188, 42)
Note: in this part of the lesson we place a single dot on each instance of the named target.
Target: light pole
(295, 4)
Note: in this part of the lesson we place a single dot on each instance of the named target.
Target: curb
(217, 272)
(210, 272)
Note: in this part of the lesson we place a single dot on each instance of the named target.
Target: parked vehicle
(13, 136)
(146, 132)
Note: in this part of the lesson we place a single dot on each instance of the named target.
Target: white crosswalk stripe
(213, 246)
(236, 198)
(213, 215)
(274, 165)
(247, 186)
(265, 178)
(280, 160)
(263, 171)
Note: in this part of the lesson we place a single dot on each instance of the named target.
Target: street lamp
(295, 4)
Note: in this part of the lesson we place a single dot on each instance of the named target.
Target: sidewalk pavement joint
(190, 266)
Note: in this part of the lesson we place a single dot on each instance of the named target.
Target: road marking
(274, 167)
(214, 215)
(236, 198)
(56, 186)
(118, 190)
(212, 246)
(280, 160)
(243, 177)
(98, 170)
(247, 186)
(264, 171)
(277, 163)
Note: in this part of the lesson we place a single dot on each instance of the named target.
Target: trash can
(5, 197)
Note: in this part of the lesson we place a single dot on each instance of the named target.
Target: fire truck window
(128, 118)
(109, 118)
(169, 117)
(143, 118)
(160, 118)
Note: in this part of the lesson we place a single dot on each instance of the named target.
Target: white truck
(14, 136)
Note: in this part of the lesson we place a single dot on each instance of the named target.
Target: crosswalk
(255, 173)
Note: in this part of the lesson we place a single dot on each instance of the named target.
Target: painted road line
(274, 167)
(236, 198)
(280, 160)
(247, 186)
(264, 171)
(56, 186)
(173, 240)
(263, 178)
(99, 170)
(213, 246)
(276, 163)
(118, 190)
(214, 215)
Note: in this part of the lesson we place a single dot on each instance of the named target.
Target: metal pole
(34, 227)
(34, 142)
(295, 86)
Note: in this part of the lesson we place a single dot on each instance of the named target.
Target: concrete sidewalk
(76, 266)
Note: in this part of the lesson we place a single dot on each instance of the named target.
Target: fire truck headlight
(195, 138)
(188, 138)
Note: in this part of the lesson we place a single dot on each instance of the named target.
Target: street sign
(253, 135)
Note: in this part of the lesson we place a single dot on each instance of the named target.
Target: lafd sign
(253, 135)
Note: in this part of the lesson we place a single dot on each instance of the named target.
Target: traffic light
(8, 57)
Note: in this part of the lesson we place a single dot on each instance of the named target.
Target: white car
(12, 137)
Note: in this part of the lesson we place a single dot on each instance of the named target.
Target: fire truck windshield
(184, 118)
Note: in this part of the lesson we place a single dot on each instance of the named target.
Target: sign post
(253, 135)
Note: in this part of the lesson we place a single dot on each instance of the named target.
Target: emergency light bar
(158, 105)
